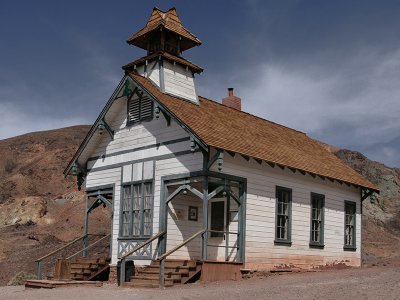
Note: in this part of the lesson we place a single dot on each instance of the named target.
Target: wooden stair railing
(39, 260)
(88, 247)
(83, 237)
(123, 257)
(162, 258)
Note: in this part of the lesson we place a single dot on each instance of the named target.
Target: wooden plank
(216, 271)
(62, 270)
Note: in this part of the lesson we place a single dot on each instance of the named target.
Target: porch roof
(236, 131)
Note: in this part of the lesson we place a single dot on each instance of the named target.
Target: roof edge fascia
(94, 126)
(198, 140)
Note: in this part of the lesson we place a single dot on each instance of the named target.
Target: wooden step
(57, 283)
(153, 271)
(74, 267)
(101, 261)
(79, 265)
(98, 272)
(153, 281)
(176, 263)
(145, 284)
(175, 277)
(178, 269)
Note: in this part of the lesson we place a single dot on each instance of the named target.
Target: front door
(222, 236)
(217, 225)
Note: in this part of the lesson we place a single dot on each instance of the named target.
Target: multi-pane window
(140, 107)
(317, 220)
(137, 204)
(350, 225)
(283, 215)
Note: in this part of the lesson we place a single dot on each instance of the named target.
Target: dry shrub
(20, 278)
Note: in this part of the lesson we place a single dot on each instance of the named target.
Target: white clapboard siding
(152, 71)
(180, 228)
(106, 177)
(179, 81)
(261, 252)
(139, 135)
(171, 166)
(110, 157)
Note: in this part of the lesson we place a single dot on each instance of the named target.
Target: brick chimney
(232, 101)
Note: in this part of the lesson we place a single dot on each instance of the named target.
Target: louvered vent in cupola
(139, 109)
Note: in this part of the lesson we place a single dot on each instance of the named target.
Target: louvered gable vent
(139, 109)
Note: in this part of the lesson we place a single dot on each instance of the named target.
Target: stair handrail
(123, 257)
(165, 255)
(88, 247)
(39, 260)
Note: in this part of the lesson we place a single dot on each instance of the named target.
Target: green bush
(20, 278)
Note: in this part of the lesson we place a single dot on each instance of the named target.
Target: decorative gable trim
(170, 114)
(94, 127)
(114, 96)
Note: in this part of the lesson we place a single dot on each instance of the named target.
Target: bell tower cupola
(164, 38)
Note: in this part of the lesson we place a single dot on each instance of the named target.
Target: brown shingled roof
(168, 20)
(167, 56)
(225, 128)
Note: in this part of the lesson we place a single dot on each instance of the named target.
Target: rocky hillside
(41, 210)
(381, 214)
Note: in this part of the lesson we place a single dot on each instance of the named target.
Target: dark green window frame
(283, 216)
(350, 215)
(317, 220)
(137, 208)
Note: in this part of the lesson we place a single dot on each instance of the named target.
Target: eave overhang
(99, 120)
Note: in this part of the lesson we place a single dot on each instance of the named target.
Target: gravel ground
(366, 283)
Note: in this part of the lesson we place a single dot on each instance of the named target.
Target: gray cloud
(328, 68)
(355, 106)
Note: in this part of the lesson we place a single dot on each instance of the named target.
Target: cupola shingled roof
(164, 20)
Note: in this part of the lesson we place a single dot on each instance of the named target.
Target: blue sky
(328, 68)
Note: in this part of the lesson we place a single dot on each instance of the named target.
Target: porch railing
(123, 257)
(162, 258)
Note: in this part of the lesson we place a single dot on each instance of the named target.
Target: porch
(201, 220)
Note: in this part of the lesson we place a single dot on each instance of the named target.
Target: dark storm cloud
(328, 68)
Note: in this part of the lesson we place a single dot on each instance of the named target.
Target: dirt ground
(365, 283)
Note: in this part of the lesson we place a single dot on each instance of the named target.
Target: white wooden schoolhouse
(200, 187)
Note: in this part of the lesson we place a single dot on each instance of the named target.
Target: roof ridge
(239, 111)
(254, 116)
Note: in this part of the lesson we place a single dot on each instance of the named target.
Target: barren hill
(40, 210)
(381, 215)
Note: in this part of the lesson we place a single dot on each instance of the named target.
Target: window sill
(132, 123)
(317, 246)
(283, 242)
(133, 238)
(349, 248)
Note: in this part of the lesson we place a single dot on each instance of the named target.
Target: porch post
(205, 218)
(227, 213)
(205, 206)
(242, 220)
(86, 225)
